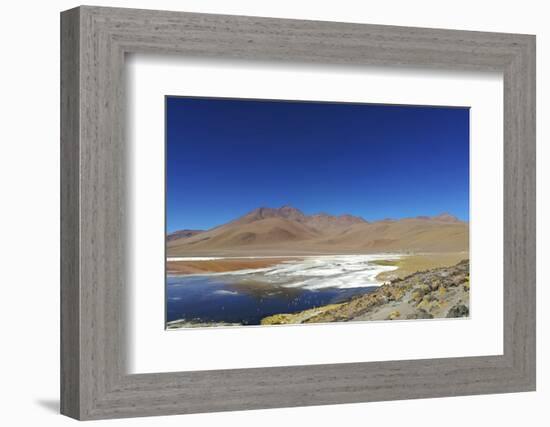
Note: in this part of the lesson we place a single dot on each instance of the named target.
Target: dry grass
(420, 262)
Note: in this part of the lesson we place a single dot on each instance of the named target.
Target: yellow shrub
(424, 304)
(417, 295)
(394, 315)
(434, 306)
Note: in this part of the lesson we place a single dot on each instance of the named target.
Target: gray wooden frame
(94, 382)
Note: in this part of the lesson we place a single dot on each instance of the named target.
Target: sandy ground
(221, 265)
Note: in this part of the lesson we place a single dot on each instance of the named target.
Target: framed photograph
(273, 254)
(262, 213)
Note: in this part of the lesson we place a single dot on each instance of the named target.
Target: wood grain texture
(94, 382)
(70, 291)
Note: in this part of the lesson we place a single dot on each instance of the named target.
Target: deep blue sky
(227, 157)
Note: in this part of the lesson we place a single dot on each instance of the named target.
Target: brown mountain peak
(446, 217)
(286, 212)
(352, 218)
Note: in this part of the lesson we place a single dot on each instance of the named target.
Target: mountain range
(288, 231)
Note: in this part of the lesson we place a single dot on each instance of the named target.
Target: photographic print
(284, 212)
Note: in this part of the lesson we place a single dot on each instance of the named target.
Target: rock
(424, 288)
(381, 299)
(434, 286)
(459, 310)
(420, 314)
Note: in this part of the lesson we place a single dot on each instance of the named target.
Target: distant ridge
(446, 217)
(287, 230)
(316, 221)
(182, 234)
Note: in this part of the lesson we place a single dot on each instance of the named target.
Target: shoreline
(405, 264)
(436, 293)
(221, 265)
(214, 266)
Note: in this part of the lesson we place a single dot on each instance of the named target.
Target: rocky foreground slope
(438, 293)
